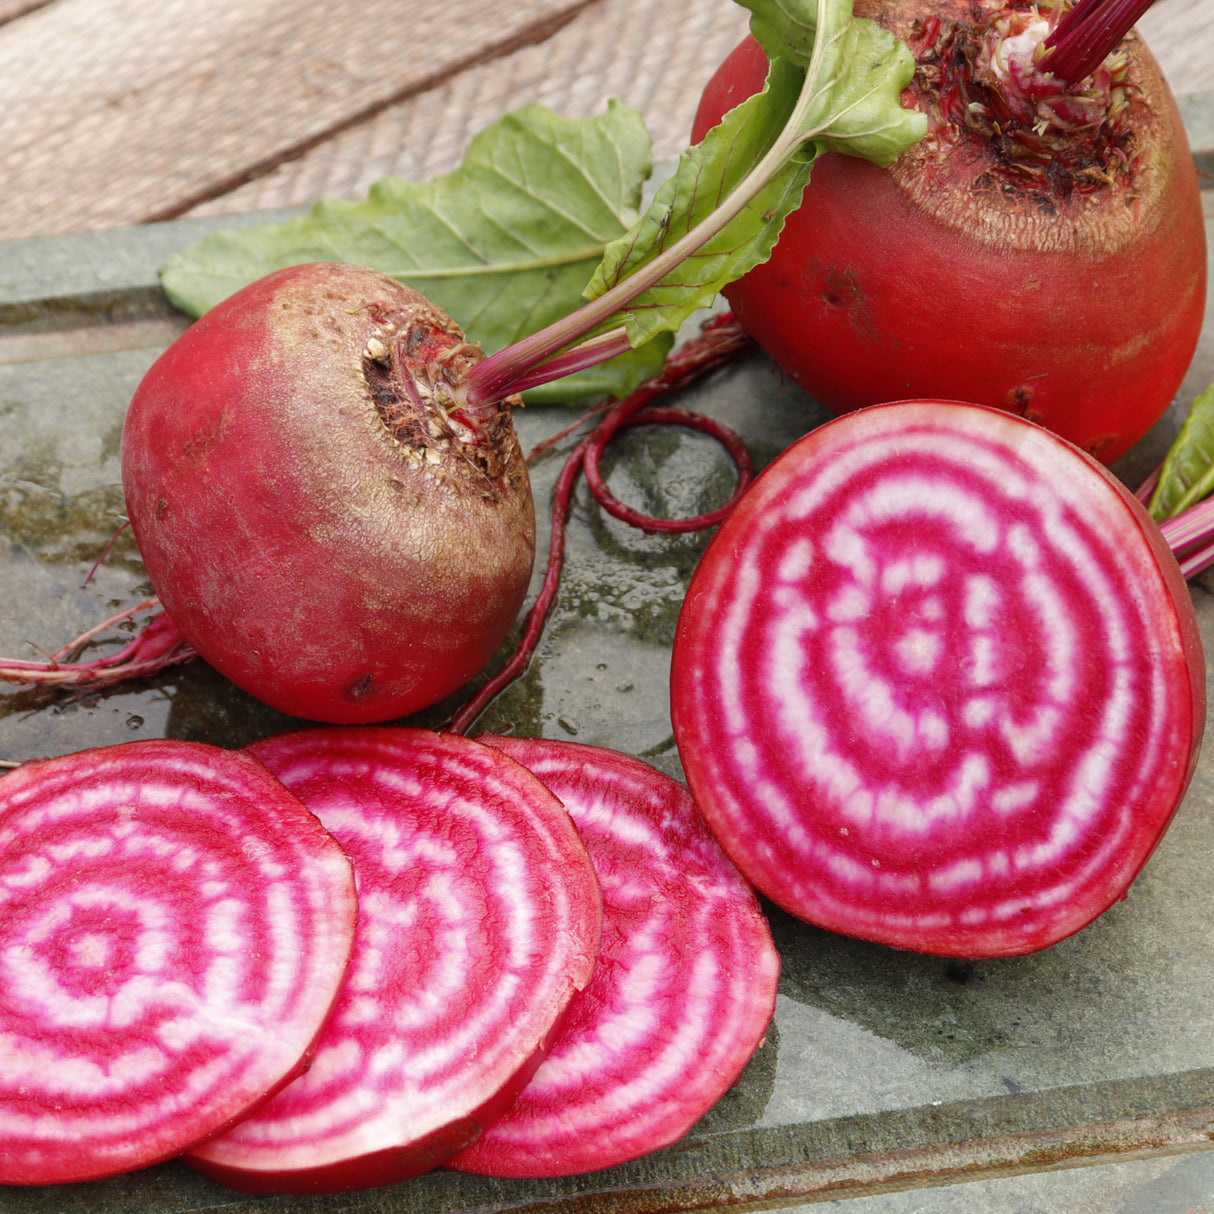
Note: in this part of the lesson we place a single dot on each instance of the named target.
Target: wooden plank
(1197, 112)
(9, 9)
(613, 49)
(1181, 35)
(119, 111)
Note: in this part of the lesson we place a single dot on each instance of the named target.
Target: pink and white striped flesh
(937, 682)
(683, 993)
(479, 918)
(174, 926)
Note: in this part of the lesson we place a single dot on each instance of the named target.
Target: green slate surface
(882, 1070)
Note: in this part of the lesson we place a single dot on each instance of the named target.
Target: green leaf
(505, 244)
(857, 73)
(788, 29)
(1187, 474)
(706, 174)
(834, 83)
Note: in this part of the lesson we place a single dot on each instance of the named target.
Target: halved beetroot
(174, 926)
(683, 992)
(937, 682)
(479, 918)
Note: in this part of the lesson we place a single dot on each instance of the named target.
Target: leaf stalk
(531, 361)
(1087, 35)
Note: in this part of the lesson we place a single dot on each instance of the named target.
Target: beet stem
(1190, 535)
(1191, 526)
(499, 375)
(1198, 561)
(721, 339)
(1088, 34)
(1147, 488)
(588, 354)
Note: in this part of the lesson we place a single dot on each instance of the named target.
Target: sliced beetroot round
(479, 918)
(174, 926)
(937, 682)
(683, 992)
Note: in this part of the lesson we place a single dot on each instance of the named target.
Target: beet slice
(683, 992)
(174, 926)
(937, 682)
(479, 919)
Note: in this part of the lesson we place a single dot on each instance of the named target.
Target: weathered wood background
(118, 112)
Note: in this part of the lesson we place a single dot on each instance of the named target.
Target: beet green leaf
(1187, 474)
(505, 244)
(834, 84)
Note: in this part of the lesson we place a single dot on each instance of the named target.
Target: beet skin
(321, 515)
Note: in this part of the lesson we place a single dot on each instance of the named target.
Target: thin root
(157, 646)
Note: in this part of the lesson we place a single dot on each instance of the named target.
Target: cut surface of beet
(174, 926)
(681, 997)
(937, 682)
(479, 918)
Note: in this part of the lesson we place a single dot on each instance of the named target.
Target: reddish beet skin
(174, 927)
(479, 919)
(937, 682)
(682, 993)
(970, 270)
(320, 516)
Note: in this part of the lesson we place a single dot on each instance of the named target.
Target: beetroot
(174, 926)
(1042, 250)
(320, 515)
(683, 992)
(937, 682)
(479, 917)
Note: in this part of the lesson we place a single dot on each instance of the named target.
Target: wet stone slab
(882, 1069)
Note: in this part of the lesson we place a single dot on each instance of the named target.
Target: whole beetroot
(322, 515)
(1041, 250)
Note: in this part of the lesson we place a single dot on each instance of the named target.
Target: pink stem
(670, 417)
(588, 354)
(1190, 526)
(1144, 491)
(1088, 34)
(722, 338)
(106, 553)
(1197, 561)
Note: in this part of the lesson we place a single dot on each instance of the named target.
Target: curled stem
(721, 340)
